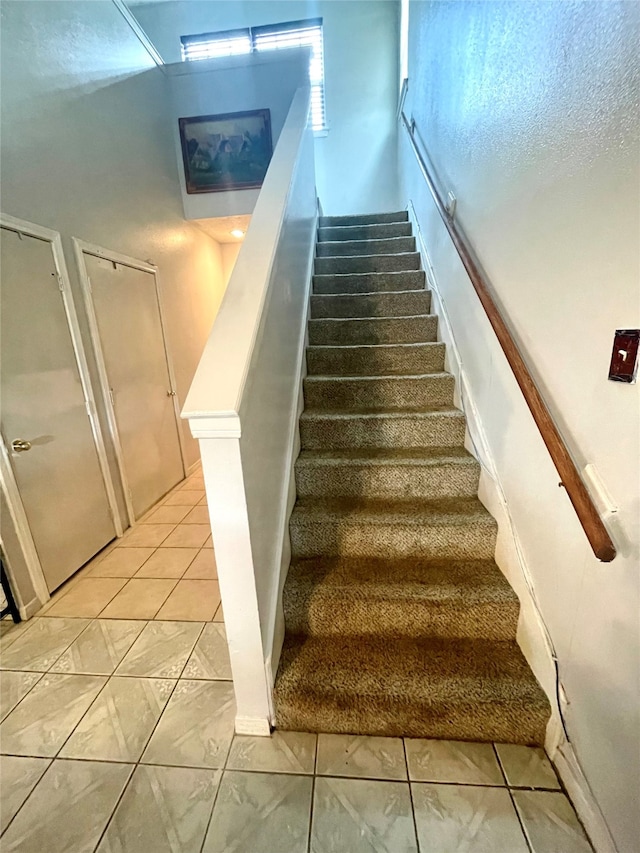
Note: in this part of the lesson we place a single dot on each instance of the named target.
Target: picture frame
(230, 151)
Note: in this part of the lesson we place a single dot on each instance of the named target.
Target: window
(272, 37)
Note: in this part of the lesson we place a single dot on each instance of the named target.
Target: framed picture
(226, 152)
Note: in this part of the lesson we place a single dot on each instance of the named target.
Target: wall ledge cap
(213, 424)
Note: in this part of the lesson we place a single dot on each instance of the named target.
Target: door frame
(80, 249)
(25, 540)
(7, 478)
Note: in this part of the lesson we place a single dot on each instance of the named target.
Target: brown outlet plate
(624, 358)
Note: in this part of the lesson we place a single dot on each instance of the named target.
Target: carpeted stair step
(389, 474)
(364, 219)
(398, 620)
(376, 360)
(379, 392)
(477, 690)
(458, 528)
(437, 427)
(364, 232)
(370, 282)
(326, 597)
(386, 246)
(373, 330)
(343, 305)
(367, 263)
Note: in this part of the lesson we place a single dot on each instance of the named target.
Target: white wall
(229, 257)
(87, 150)
(356, 161)
(529, 112)
(230, 85)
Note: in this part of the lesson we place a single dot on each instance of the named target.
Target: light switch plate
(624, 358)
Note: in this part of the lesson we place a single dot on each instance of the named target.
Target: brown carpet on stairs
(398, 621)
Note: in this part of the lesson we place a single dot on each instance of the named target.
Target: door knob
(20, 445)
(171, 393)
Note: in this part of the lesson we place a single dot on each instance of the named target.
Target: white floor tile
(363, 757)
(42, 643)
(163, 810)
(100, 648)
(196, 727)
(18, 777)
(362, 816)
(45, 718)
(161, 650)
(14, 686)
(452, 761)
(550, 823)
(260, 813)
(283, 752)
(526, 766)
(69, 808)
(120, 722)
(465, 818)
(210, 658)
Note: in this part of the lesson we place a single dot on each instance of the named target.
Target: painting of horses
(226, 152)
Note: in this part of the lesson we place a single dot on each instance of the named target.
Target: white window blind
(230, 43)
(273, 37)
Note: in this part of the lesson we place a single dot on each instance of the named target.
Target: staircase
(398, 621)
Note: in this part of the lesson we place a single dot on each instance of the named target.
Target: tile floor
(116, 736)
(164, 568)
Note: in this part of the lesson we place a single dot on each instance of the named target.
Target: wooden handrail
(580, 498)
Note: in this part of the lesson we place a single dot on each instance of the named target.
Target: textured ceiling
(220, 227)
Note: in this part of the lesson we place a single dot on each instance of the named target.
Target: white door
(45, 421)
(131, 338)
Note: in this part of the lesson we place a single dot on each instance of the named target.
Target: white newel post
(224, 484)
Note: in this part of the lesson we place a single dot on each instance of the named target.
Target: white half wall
(356, 161)
(244, 406)
(529, 113)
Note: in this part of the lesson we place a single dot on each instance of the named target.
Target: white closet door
(44, 416)
(126, 306)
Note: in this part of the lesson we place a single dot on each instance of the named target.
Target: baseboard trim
(566, 763)
(30, 609)
(256, 726)
(193, 467)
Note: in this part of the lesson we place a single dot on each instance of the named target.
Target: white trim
(30, 609)
(256, 726)
(48, 235)
(582, 797)
(193, 467)
(177, 408)
(103, 378)
(23, 534)
(533, 635)
(145, 41)
(275, 638)
(82, 248)
(212, 425)
(115, 257)
(85, 380)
